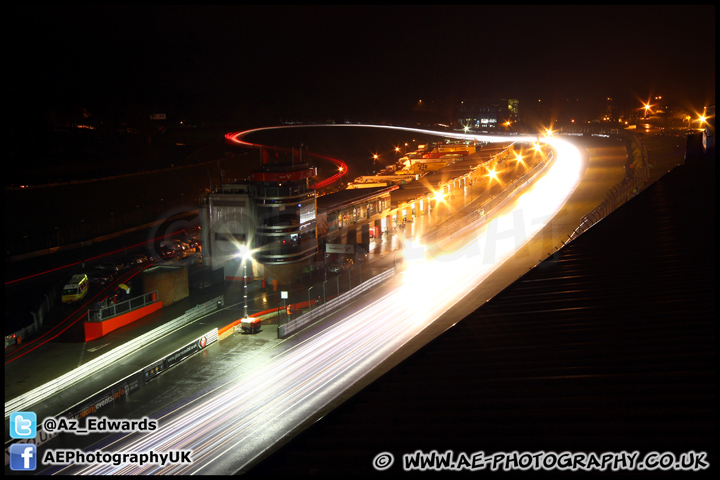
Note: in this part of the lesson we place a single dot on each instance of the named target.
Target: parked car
(343, 266)
(179, 246)
(137, 259)
(192, 234)
(99, 278)
(166, 253)
(174, 244)
(109, 268)
(189, 252)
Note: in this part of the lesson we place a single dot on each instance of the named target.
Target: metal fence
(106, 312)
(629, 187)
(38, 317)
(323, 297)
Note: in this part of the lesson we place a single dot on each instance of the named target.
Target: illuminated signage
(339, 248)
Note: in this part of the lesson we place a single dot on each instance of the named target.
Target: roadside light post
(309, 303)
(647, 107)
(244, 255)
(284, 297)
(245, 290)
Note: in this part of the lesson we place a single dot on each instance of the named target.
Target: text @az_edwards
(98, 425)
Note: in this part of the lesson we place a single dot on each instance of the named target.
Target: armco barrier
(33, 397)
(107, 397)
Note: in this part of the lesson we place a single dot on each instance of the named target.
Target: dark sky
(235, 61)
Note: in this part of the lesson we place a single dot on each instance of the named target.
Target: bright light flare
(243, 251)
(492, 174)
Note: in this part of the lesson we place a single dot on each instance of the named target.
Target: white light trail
(234, 424)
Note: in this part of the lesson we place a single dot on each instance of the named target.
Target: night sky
(248, 64)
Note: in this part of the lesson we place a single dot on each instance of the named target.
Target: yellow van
(76, 288)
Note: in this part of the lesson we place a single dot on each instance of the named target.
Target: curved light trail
(237, 139)
(231, 426)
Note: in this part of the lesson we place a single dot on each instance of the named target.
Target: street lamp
(647, 109)
(244, 254)
(245, 288)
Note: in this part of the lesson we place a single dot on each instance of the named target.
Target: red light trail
(237, 138)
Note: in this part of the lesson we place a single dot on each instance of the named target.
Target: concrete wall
(95, 330)
(171, 283)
